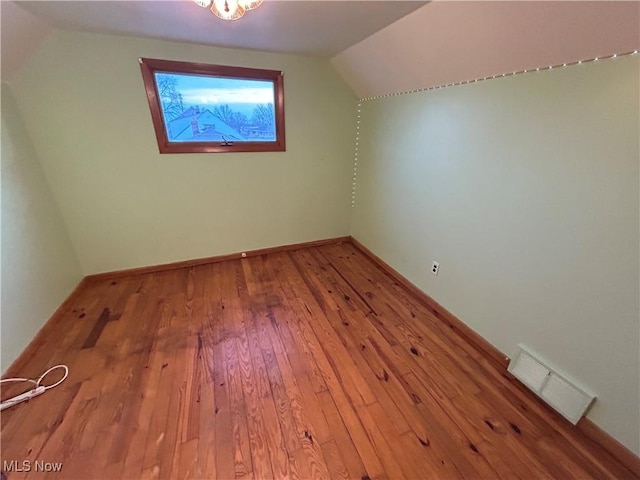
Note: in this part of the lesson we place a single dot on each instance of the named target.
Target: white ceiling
(322, 28)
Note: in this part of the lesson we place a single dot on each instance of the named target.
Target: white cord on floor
(37, 388)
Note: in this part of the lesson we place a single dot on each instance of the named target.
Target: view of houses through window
(199, 108)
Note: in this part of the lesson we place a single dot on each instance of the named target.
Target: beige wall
(39, 266)
(525, 189)
(126, 205)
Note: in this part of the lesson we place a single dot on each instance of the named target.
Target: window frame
(149, 66)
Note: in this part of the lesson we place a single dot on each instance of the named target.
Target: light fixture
(566, 64)
(250, 4)
(229, 9)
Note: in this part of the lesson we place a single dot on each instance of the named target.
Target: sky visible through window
(198, 108)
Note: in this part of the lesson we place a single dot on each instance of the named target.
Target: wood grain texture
(615, 448)
(438, 310)
(590, 430)
(44, 334)
(305, 363)
(215, 259)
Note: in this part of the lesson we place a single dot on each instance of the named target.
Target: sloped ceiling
(385, 46)
(447, 42)
(21, 36)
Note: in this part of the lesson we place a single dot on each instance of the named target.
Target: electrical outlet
(435, 267)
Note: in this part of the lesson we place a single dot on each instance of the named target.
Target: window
(198, 108)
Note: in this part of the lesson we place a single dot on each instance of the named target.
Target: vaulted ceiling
(446, 42)
(378, 47)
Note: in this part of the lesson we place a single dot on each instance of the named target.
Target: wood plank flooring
(304, 364)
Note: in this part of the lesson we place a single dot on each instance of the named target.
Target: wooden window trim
(149, 66)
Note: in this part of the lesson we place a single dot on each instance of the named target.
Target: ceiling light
(229, 9)
(250, 4)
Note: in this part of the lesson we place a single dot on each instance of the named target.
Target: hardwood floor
(304, 364)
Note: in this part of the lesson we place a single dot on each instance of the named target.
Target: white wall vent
(569, 400)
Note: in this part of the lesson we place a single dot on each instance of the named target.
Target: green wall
(39, 266)
(126, 205)
(525, 189)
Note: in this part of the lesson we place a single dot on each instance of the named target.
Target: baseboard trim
(500, 361)
(18, 365)
(496, 357)
(589, 429)
(216, 259)
(610, 444)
